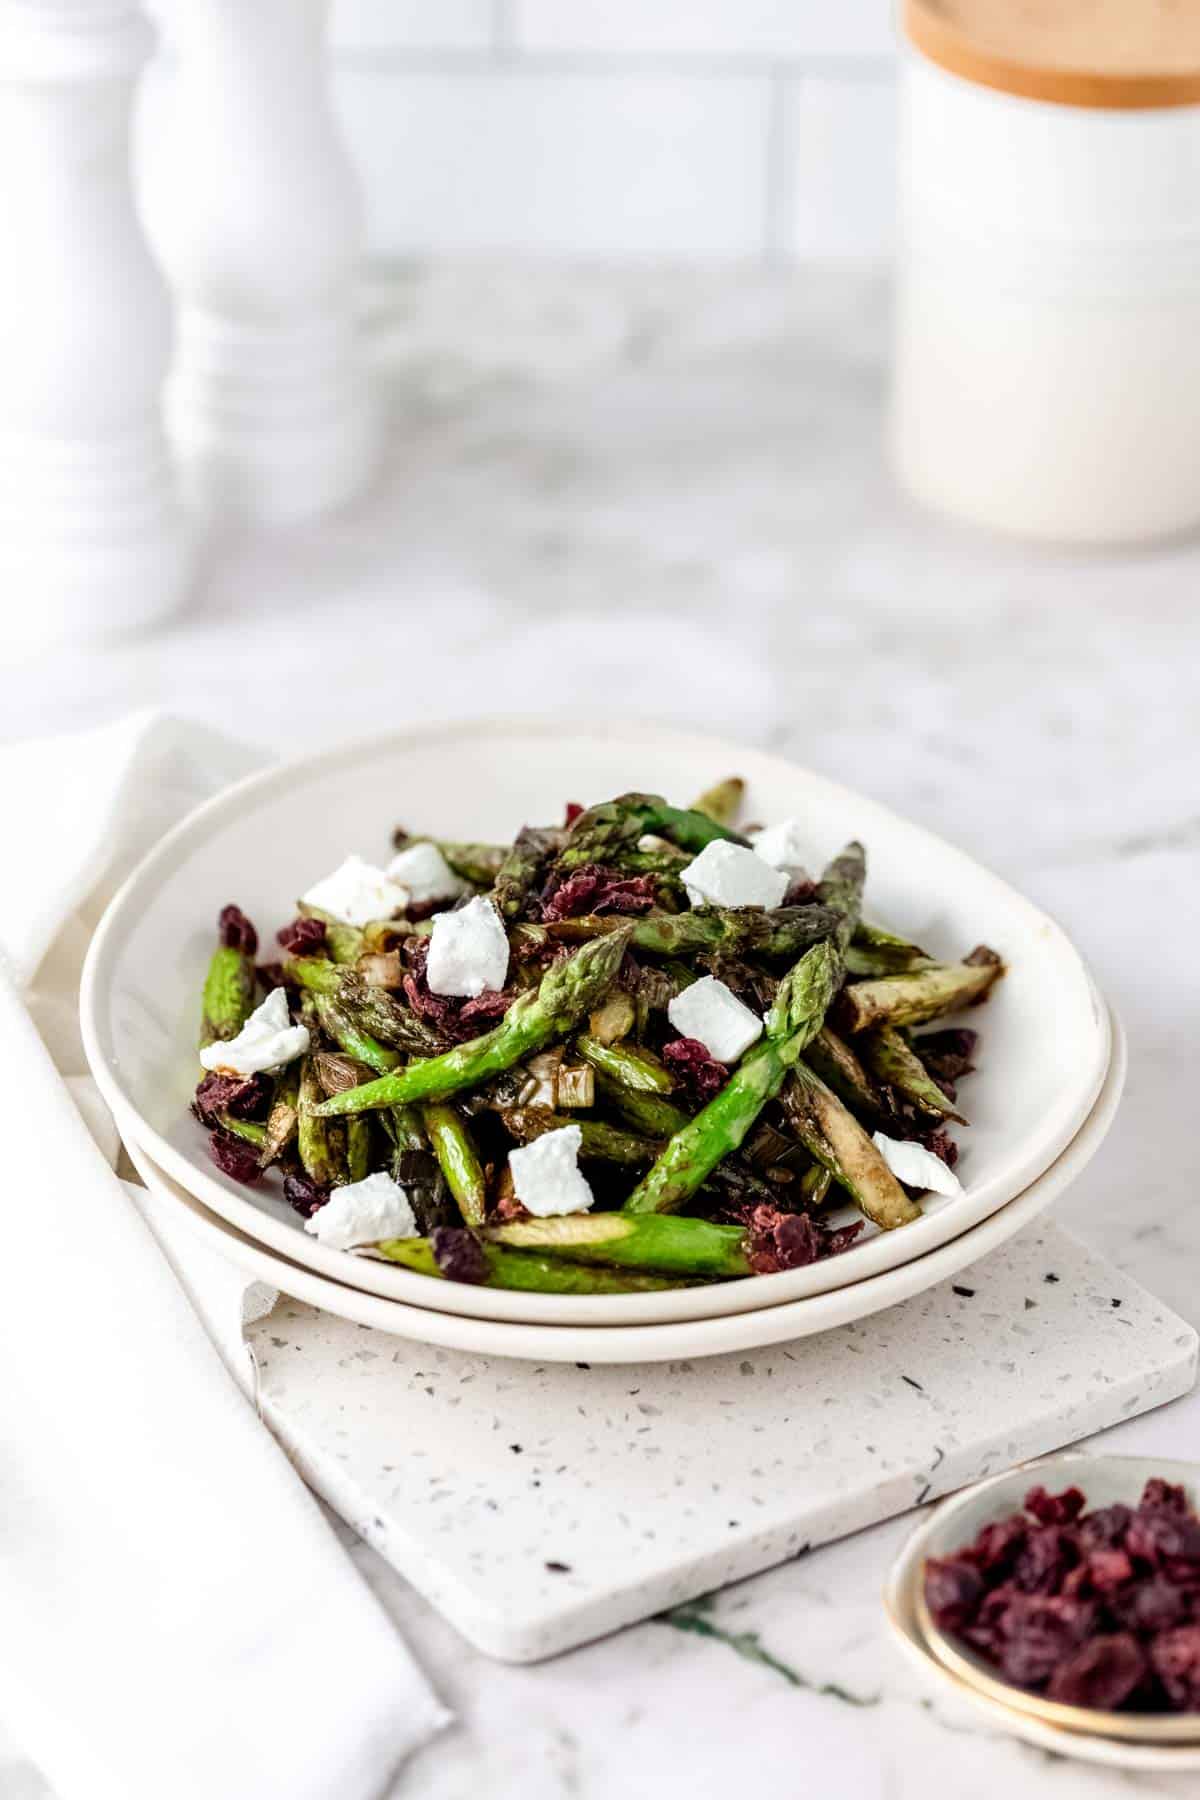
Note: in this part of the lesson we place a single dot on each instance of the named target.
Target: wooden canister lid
(1106, 53)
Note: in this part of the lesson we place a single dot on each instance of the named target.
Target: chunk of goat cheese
(726, 874)
(546, 1176)
(468, 951)
(712, 1014)
(267, 1040)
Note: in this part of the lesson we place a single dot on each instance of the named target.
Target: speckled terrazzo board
(538, 1506)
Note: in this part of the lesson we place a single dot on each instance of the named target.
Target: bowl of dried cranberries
(1070, 1590)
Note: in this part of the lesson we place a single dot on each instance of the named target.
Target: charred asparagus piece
(568, 992)
(599, 1141)
(893, 1060)
(602, 833)
(229, 983)
(503, 1268)
(720, 1127)
(925, 994)
(722, 802)
(835, 1138)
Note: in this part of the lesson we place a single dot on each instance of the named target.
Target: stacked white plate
(1051, 1057)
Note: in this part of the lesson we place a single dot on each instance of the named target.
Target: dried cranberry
(687, 1058)
(941, 1144)
(235, 930)
(234, 1157)
(458, 1254)
(571, 813)
(801, 891)
(947, 1054)
(1039, 1631)
(1055, 1509)
(1165, 1494)
(241, 1096)
(1150, 1606)
(777, 1240)
(1048, 1554)
(306, 1195)
(458, 1019)
(302, 937)
(1108, 1570)
(953, 1590)
(1163, 1538)
(1175, 1656)
(597, 889)
(1102, 1673)
(1105, 1528)
(998, 1545)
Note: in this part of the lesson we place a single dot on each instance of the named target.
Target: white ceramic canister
(1047, 354)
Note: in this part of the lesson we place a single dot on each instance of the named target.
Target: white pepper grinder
(92, 539)
(1047, 352)
(253, 208)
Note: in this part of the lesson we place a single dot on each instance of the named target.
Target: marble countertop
(664, 494)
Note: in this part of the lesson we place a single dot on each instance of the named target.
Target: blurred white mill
(254, 212)
(91, 538)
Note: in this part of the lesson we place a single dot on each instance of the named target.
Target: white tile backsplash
(734, 28)
(359, 25)
(648, 164)
(837, 147)
(672, 128)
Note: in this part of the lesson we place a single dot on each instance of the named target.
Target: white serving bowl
(1046, 1032)
(648, 1343)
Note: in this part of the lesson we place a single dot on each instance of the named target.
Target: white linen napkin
(176, 1618)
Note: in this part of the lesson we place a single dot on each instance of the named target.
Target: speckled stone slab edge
(538, 1506)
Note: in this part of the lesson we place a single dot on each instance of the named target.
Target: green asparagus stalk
(283, 1117)
(522, 866)
(720, 1127)
(531, 1274)
(892, 1059)
(815, 1184)
(650, 1114)
(228, 995)
(926, 994)
(662, 1245)
(598, 1140)
(603, 832)
(874, 951)
(637, 1070)
(722, 802)
(451, 1142)
(568, 992)
(733, 931)
(841, 888)
(477, 863)
(612, 1021)
(345, 943)
(358, 1147)
(835, 1138)
(355, 1042)
(318, 1143)
(839, 1068)
(404, 1126)
(249, 1130)
(372, 1011)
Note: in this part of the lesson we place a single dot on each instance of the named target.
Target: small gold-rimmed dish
(1134, 1740)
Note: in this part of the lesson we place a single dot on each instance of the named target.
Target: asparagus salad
(637, 1050)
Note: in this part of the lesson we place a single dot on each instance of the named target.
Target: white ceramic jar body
(1047, 358)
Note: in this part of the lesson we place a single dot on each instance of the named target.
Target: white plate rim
(665, 1342)
(877, 1255)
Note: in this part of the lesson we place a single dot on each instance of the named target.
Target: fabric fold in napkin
(176, 1618)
